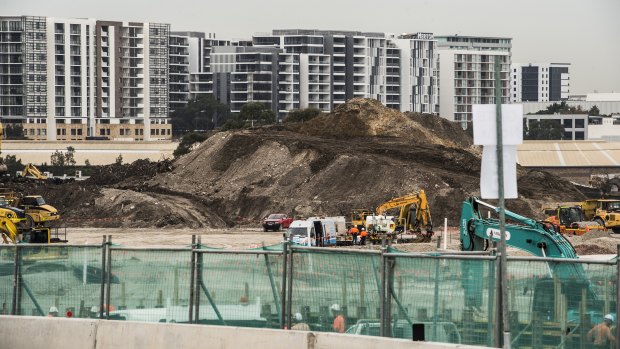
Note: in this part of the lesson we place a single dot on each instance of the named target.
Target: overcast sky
(585, 33)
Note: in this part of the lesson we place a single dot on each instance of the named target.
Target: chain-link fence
(451, 298)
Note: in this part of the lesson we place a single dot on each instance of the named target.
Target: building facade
(575, 125)
(539, 82)
(466, 70)
(84, 78)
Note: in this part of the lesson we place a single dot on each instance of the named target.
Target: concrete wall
(96, 152)
(18, 332)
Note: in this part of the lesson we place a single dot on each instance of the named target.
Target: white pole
(445, 233)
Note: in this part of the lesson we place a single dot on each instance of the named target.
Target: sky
(585, 33)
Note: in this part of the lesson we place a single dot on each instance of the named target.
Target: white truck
(313, 232)
(380, 224)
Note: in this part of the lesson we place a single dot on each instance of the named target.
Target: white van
(312, 232)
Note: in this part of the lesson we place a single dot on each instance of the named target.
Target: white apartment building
(467, 73)
(539, 82)
(85, 78)
(575, 125)
(179, 71)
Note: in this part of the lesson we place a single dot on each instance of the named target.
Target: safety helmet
(609, 317)
(94, 309)
(53, 310)
(335, 307)
(298, 317)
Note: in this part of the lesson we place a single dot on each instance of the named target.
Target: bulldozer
(414, 215)
(15, 228)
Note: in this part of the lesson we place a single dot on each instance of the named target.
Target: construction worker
(363, 234)
(355, 232)
(338, 318)
(600, 335)
(299, 324)
(53, 312)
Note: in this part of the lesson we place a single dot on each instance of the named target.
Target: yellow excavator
(38, 212)
(414, 214)
(32, 171)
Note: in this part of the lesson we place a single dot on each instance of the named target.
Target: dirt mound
(442, 128)
(139, 169)
(362, 118)
(589, 249)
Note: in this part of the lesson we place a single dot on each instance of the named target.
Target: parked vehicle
(440, 331)
(313, 232)
(276, 222)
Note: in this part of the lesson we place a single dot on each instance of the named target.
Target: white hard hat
(94, 309)
(298, 317)
(335, 307)
(609, 317)
(53, 310)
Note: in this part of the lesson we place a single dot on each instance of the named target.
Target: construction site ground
(359, 156)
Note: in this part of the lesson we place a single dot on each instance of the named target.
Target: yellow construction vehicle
(38, 212)
(16, 228)
(413, 212)
(358, 217)
(569, 219)
(606, 212)
(32, 171)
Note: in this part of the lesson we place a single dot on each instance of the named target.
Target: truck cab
(312, 232)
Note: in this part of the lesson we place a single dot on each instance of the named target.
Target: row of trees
(564, 108)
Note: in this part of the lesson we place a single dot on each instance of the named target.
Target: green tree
(14, 131)
(86, 162)
(302, 115)
(58, 159)
(13, 164)
(251, 114)
(188, 141)
(70, 156)
(119, 159)
(594, 111)
(202, 113)
(545, 130)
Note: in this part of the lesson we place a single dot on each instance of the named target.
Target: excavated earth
(358, 156)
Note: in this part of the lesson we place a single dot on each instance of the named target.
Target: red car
(277, 221)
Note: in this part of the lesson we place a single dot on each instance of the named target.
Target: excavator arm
(33, 171)
(527, 234)
(404, 203)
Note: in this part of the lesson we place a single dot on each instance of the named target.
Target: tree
(202, 113)
(302, 115)
(188, 141)
(545, 130)
(119, 159)
(594, 111)
(69, 156)
(86, 162)
(13, 164)
(251, 114)
(58, 159)
(14, 131)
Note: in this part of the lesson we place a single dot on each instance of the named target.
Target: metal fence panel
(453, 299)
(65, 277)
(322, 279)
(150, 285)
(7, 267)
(556, 304)
(239, 289)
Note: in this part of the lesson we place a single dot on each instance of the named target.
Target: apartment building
(466, 71)
(539, 82)
(85, 78)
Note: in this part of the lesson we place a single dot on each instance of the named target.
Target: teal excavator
(559, 297)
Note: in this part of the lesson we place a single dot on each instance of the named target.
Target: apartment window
(579, 123)
(579, 136)
(568, 123)
(102, 131)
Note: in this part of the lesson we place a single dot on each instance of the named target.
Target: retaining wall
(18, 332)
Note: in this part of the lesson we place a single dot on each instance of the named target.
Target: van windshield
(297, 231)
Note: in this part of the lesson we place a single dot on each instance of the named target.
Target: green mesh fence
(7, 263)
(150, 285)
(454, 299)
(555, 305)
(350, 280)
(65, 277)
(240, 289)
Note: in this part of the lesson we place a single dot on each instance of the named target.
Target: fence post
(289, 299)
(198, 281)
(109, 277)
(382, 295)
(284, 287)
(499, 331)
(192, 280)
(617, 296)
(104, 247)
(16, 285)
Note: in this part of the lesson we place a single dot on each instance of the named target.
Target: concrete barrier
(18, 332)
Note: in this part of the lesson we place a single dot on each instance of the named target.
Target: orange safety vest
(354, 230)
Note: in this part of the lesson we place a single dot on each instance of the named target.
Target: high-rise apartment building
(85, 78)
(466, 66)
(539, 82)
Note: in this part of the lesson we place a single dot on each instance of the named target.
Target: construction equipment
(413, 214)
(15, 227)
(570, 220)
(567, 287)
(358, 217)
(35, 207)
(31, 171)
(606, 212)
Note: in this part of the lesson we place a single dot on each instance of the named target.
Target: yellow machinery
(606, 212)
(569, 219)
(33, 172)
(36, 209)
(358, 217)
(414, 212)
